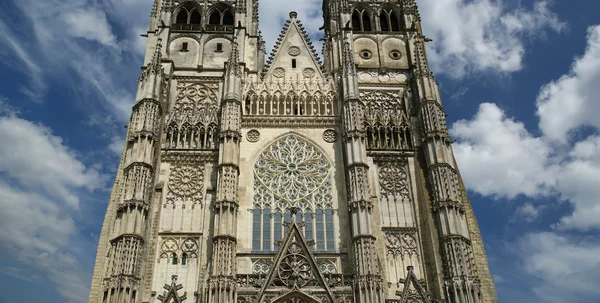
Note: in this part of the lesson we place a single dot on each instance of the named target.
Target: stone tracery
(292, 172)
(192, 123)
(386, 121)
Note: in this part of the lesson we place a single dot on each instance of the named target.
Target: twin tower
(293, 180)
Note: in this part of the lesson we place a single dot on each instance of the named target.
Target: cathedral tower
(293, 180)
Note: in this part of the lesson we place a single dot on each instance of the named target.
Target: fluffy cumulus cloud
(40, 179)
(499, 157)
(37, 159)
(574, 99)
(482, 35)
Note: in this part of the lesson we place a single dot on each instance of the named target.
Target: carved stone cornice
(390, 155)
(138, 164)
(189, 156)
(123, 236)
(133, 202)
(290, 121)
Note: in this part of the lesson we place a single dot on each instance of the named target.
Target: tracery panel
(386, 121)
(192, 122)
(292, 172)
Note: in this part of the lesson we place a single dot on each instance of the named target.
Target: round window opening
(366, 54)
(395, 54)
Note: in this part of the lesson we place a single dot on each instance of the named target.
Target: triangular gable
(417, 294)
(293, 43)
(294, 267)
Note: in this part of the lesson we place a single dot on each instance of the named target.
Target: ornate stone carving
(294, 51)
(261, 266)
(279, 72)
(278, 96)
(376, 77)
(401, 241)
(395, 54)
(178, 246)
(327, 266)
(386, 120)
(308, 72)
(446, 189)
(393, 180)
(190, 247)
(294, 271)
(253, 135)
(292, 172)
(330, 135)
(192, 123)
(170, 295)
(186, 183)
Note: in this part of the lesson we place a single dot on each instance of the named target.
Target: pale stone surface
(359, 143)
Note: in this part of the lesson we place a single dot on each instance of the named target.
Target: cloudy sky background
(520, 81)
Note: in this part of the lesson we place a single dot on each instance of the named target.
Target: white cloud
(89, 23)
(528, 212)
(573, 100)
(498, 157)
(481, 35)
(116, 145)
(41, 183)
(567, 267)
(32, 69)
(38, 159)
(578, 182)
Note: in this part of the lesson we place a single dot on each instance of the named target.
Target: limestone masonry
(293, 180)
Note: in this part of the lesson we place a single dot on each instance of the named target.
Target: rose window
(292, 169)
(292, 172)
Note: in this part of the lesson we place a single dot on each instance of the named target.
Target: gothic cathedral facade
(291, 180)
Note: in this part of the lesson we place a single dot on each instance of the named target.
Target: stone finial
(293, 15)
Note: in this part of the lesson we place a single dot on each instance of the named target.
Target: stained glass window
(292, 172)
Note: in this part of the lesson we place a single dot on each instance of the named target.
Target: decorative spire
(233, 64)
(170, 294)
(421, 295)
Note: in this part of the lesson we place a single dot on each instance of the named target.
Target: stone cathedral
(288, 179)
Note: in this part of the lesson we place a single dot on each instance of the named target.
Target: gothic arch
(362, 18)
(189, 8)
(220, 14)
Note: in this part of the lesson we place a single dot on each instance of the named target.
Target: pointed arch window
(389, 21)
(292, 172)
(174, 259)
(182, 17)
(188, 18)
(361, 20)
(221, 18)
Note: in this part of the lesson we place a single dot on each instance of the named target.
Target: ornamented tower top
(291, 181)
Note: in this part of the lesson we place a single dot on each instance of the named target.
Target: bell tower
(169, 233)
(410, 211)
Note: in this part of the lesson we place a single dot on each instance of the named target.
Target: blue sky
(520, 82)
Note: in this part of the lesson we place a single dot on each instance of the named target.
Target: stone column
(122, 278)
(461, 282)
(368, 282)
(222, 282)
